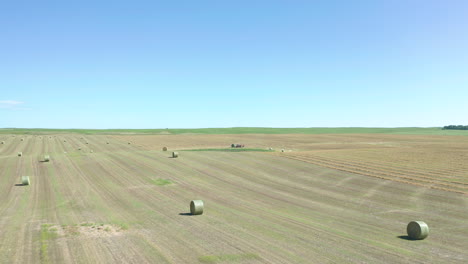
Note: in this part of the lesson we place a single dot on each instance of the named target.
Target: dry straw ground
(331, 199)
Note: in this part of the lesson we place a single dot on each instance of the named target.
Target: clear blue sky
(190, 64)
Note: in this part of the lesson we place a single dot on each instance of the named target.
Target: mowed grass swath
(329, 198)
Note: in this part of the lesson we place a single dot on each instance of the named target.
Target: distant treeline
(459, 127)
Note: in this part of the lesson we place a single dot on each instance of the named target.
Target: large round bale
(196, 207)
(3, 142)
(25, 180)
(86, 143)
(175, 154)
(129, 143)
(46, 158)
(107, 143)
(417, 230)
(22, 139)
(282, 150)
(20, 154)
(164, 148)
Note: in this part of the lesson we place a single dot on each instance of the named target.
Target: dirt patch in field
(84, 230)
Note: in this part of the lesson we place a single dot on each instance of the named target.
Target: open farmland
(327, 199)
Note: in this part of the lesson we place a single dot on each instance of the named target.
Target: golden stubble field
(326, 199)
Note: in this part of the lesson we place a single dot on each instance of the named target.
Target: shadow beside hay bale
(186, 214)
(406, 238)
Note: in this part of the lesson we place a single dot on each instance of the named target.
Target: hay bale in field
(417, 230)
(22, 139)
(164, 148)
(270, 148)
(196, 207)
(86, 143)
(282, 150)
(107, 143)
(46, 158)
(20, 154)
(175, 154)
(25, 180)
(3, 142)
(91, 151)
(129, 143)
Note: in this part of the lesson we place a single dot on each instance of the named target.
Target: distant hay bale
(20, 154)
(282, 150)
(25, 180)
(196, 207)
(129, 143)
(46, 158)
(270, 148)
(22, 139)
(175, 154)
(87, 143)
(3, 142)
(91, 151)
(164, 148)
(417, 230)
(79, 148)
(107, 142)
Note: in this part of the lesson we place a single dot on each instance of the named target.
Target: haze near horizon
(155, 64)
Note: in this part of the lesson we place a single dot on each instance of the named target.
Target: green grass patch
(232, 150)
(227, 258)
(161, 182)
(47, 233)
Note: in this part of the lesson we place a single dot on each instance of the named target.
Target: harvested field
(332, 199)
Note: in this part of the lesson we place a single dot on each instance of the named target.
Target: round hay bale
(282, 150)
(196, 207)
(129, 143)
(87, 143)
(175, 154)
(107, 142)
(270, 148)
(3, 142)
(164, 148)
(22, 139)
(25, 180)
(46, 158)
(417, 230)
(20, 154)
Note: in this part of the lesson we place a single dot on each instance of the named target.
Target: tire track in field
(393, 167)
(380, 175)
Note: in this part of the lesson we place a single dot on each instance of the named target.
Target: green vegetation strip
(47, 233)
(228, 258)
(231, 149)
(245, 130)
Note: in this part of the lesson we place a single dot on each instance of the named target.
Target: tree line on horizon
(458, 127)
